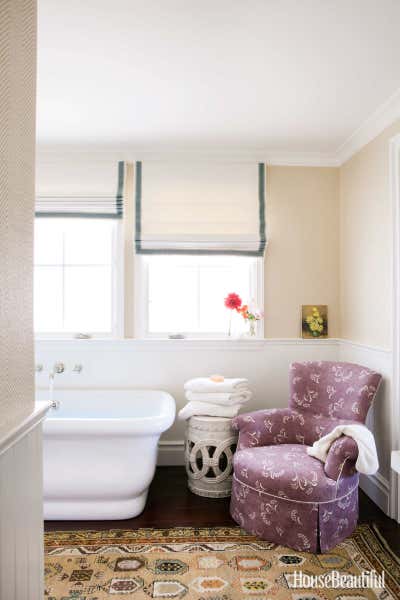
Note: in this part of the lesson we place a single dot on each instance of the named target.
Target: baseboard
(378, 489)
(171, 453)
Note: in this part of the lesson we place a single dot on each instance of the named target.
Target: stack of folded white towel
(214, 397)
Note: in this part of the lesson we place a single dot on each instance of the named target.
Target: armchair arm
(341, 458)
(269, 427)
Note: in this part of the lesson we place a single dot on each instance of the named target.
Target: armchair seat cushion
(287, 471)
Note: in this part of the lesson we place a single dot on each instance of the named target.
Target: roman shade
(81, 188)
(200, 208)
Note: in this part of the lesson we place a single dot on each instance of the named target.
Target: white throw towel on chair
(205, 384)
(206, 409)
(367, 460)
(221, 398)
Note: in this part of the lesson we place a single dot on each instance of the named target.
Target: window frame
(141, 303)
(117, 299)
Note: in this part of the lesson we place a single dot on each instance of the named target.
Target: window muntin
(185, 294)
(76, 283)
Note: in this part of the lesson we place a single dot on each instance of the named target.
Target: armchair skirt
(291, 501)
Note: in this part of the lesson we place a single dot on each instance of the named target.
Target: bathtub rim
(154, 424)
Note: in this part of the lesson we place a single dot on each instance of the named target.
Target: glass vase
(252, 328)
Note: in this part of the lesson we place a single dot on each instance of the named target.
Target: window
(185, 294)
(77, 288)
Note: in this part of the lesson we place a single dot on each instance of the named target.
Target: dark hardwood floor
(171, 504)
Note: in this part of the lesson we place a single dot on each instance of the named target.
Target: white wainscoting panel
(21, 519)
(167, 364)
(376, 486)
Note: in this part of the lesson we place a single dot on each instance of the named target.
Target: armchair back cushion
(332, 389)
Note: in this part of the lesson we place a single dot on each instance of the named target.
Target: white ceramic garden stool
(209, 448)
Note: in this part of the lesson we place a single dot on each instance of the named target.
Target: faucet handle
(59, 367)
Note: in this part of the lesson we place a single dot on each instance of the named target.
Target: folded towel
(367, 461)
(206, 409)
(220, 398)
(204, 384)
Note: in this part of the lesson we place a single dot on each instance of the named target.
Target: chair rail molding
(394, 174)
(26, 426)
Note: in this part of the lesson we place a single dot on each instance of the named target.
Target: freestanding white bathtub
(100, 451)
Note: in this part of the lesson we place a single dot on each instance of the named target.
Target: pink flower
(233, 301)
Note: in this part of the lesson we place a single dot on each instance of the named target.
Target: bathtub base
(94, 510)
(100, 452)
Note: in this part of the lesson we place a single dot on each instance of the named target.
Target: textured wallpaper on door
(17, 148)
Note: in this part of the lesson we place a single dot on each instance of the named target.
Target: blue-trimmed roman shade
(81, 189)
(200, 208)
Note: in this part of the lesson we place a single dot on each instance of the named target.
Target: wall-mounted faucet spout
(58, 368)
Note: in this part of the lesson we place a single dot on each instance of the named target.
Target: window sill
(162, 344)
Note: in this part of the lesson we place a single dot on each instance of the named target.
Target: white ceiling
(280, 75)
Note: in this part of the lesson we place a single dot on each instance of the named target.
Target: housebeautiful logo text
(336, 580)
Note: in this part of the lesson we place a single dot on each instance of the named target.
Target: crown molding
(49, 154)
(301, 159)
(379, 120)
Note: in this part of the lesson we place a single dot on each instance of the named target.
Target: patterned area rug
(205, 564)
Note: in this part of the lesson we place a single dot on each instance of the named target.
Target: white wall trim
(301, 159)
(395, 460)
(171, 453)
(166, 364)
(394, 174)
(22, 429)
(381, 118)
(140, 308)
(362, 346)
(377, 488)
(52, 154)
(200, 344)
(166, 345)
(21, 505)
(135, 344)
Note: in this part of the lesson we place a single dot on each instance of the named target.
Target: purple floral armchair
(279, 492)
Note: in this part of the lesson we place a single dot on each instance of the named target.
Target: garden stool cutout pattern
(209, 448)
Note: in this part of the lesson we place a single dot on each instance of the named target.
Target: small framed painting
(314, 321)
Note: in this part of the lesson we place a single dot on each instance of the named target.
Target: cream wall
(366, 244)
(17, 149)
(302, 258)
(366, 232)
